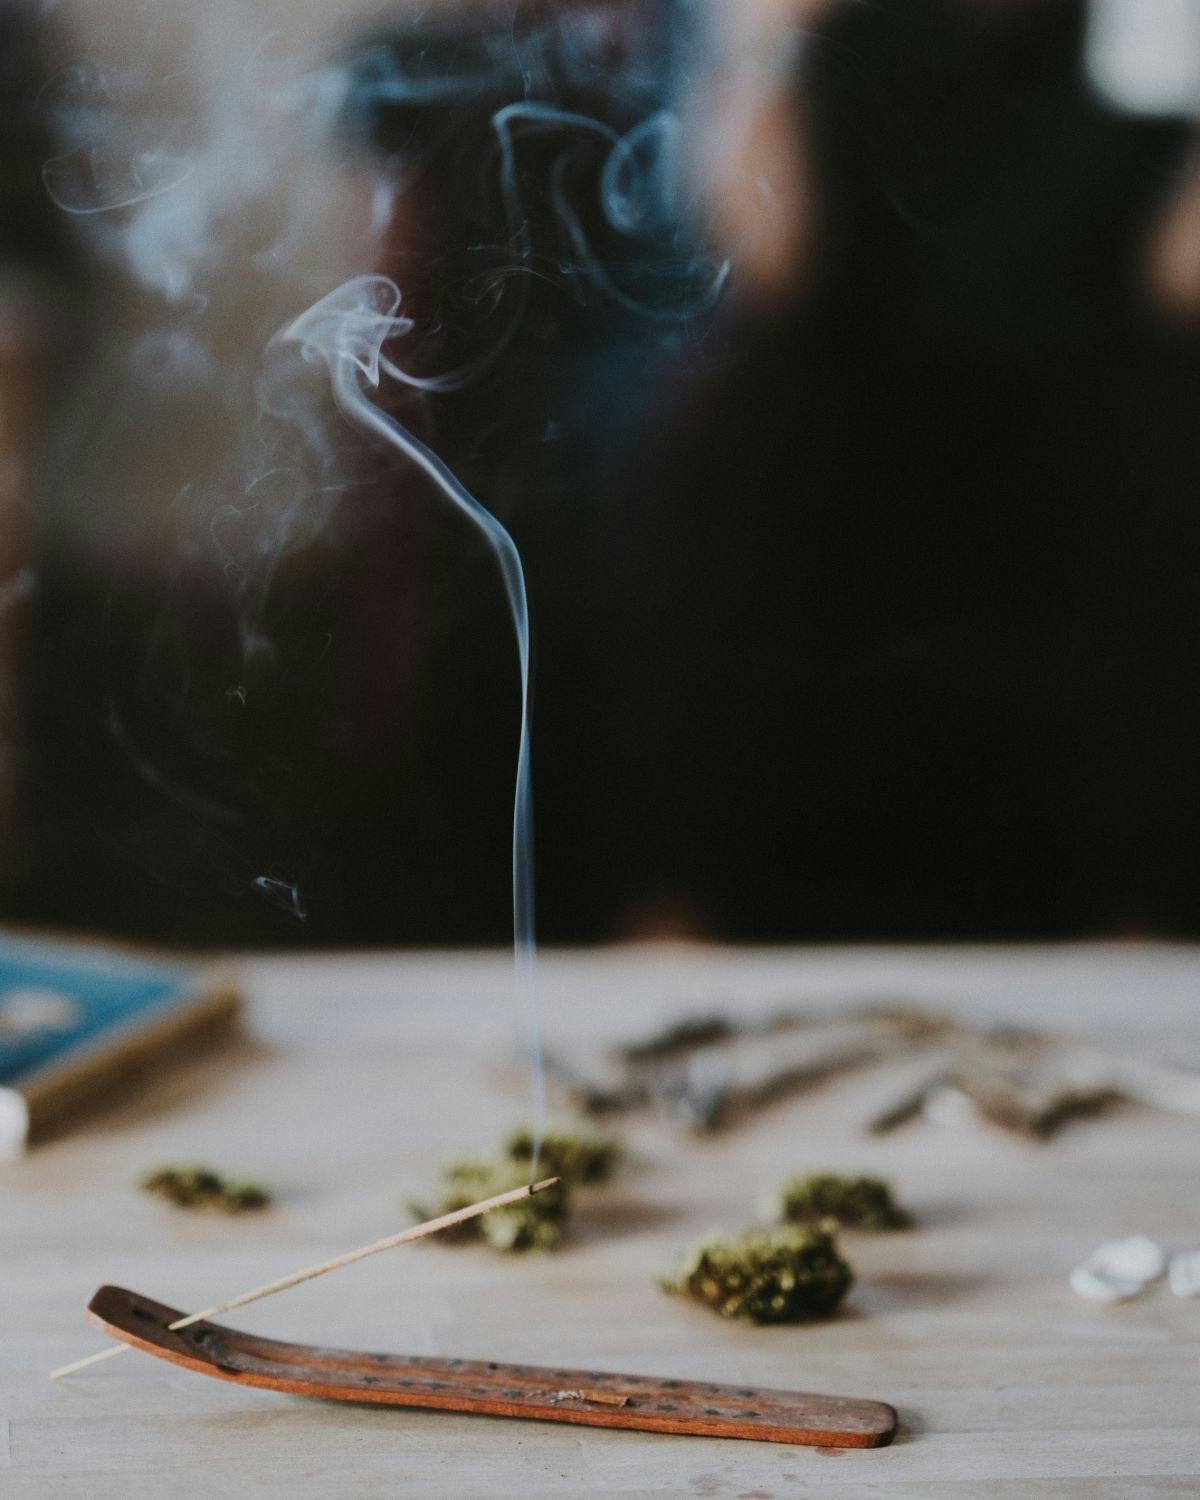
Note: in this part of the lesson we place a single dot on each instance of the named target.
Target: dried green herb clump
(197, 1187)
(535, 1223)
(786, 1274)
(577, 1156)
(852, 1202)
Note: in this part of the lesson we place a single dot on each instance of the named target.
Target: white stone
(1097, 1286)
(1120, 1269)
(1136, 1258)
(1184, 1273)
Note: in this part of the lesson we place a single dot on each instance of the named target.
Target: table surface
(362, 1074)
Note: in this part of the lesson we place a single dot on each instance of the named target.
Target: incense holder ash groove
(591, 1398)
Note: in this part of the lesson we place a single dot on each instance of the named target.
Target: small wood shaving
(604, 1398)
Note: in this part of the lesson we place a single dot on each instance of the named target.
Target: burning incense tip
(417, 1232)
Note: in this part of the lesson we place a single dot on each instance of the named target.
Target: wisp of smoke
(348, 329)
(166, 196)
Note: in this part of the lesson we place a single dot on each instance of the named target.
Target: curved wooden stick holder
(590, 1397)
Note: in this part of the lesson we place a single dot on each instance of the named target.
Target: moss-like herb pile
(531, 1224)
(198, 1187)
(787, 1274)
(852, 1202)
(580, 1157)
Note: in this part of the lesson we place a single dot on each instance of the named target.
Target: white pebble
(1134, 1259)
(1184, 1274)
(1097, 1286)
(1120, 1269)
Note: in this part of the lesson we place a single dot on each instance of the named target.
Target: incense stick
(417, 1232)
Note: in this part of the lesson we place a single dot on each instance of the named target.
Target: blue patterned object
(57, 999)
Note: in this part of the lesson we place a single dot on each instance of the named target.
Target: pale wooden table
(367, 1072)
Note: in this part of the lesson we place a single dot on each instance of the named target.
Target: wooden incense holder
(590, 1397)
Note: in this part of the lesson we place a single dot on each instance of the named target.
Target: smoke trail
(208, 187)
(637, 193)
(638, 202)
(348, 329)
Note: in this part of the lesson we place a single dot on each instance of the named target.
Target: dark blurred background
(865, 602)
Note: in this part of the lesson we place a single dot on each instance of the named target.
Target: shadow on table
(164, 1085)
(910, 1290)
(605, 1218)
